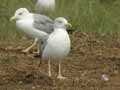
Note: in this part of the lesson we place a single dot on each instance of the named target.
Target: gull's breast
(25, 26)
(58, 45)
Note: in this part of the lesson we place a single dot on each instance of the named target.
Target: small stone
(33, 87)
(105, 77)
(20, 82)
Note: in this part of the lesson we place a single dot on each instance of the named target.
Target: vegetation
(85, 15)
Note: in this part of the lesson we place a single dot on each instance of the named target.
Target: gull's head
(61, 22)
(20, 14)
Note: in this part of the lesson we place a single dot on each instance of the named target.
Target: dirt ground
(93, 64)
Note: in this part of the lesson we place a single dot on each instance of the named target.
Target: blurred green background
(85, 15)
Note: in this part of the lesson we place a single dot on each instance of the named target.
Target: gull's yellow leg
(49, 68)
(59, 71)
(38, 48)
(30, 47)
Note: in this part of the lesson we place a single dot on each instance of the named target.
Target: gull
(35, 25)
(43, 6)
(58, 44)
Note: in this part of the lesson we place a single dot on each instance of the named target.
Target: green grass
(85, 15)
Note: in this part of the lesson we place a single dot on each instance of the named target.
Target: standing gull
(35, 25)
(58, 44)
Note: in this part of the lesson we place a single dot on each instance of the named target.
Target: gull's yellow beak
(69, 25)
(12, 18)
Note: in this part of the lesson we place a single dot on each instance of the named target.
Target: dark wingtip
(70, 31)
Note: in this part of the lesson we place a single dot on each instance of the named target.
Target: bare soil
(93, 64)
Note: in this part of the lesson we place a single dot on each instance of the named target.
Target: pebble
(33, 87)
(105, 77)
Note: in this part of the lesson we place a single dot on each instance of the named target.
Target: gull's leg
(38, 49)
(38, 53)
(30, 47)
(59, 71)
(49, 68)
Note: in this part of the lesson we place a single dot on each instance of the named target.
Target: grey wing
(43, 23)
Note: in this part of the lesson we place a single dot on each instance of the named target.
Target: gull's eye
(60, 22)
(20, 13)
